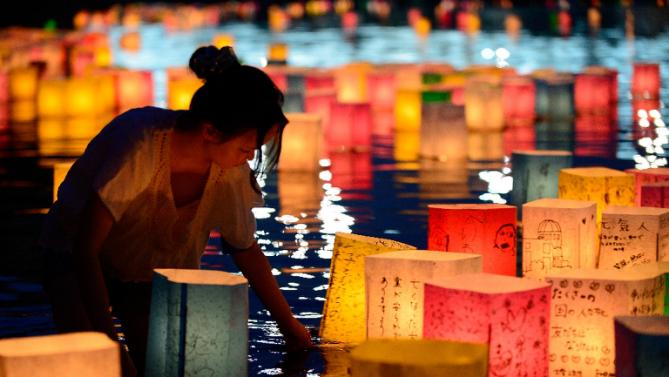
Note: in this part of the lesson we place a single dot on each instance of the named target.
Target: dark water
(368, 193)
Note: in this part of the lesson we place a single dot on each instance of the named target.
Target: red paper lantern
(592, 93)
(646, 176)
(595, 135)
(350, 126)
(511, 315)
(519, 138)
(317, 81)
(383, 123)
(352, 173)
(319, 102)
(486, 229)
(518, 94)
(646, 80)
(654, 195)
(381, 86)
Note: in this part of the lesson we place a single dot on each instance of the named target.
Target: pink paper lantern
(381, 86)
(350, 126)
(351, 171)
(319, 102)
(486, 229)
(511, 315)
(643, 177)
(646, 80)
(593, 93)
(655, 195)
(518, 94)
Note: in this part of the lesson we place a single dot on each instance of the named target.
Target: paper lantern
(646, 80)
(23, 83)
(518, 94)
(82, 60)
(319, 102)
(294, 94)
(318, 80)
(406, 145)
(659, 269)
(584, 304)
(277, 53)
(23, 111)
(443, 132)
(612, 80)
(486, 229)
(350, 126)
(654, 195)
(351, 171)
(86, 354)
(518, 138)
(299, 192)
(351, 80)
(180, 91)
(302, 143)
(508, 314)
(642, 177)
(82, 97)
(60, 170)
(131, 41)
(642, 346)
(483, 104)
(593, 93)
(558, 234)
(383, 123)
(134, 89)
(632, 236)
(555, 97)
(407, 110)
(344, 311)
(221, 40)
(408, 358)
(51, 98)
(382, 89)
(535, 174)
(394, 286)
(198, 322)
(422, 27)
(485, 146)
(602, 185)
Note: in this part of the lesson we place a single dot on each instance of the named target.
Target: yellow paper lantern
(82, 97)
(302, 144)
(277, 53)
(344, 311)
(483, 104)
(410, 358)
(51, 98)
(23, 111)
(23, 83)
(85, 354)
(422, 27)
(602, 185)
(223, 39)
(83, 129)
(558, 234)
(584, 304)
(351, 82)
(394, 285)
(407, 145)
(134, 89)
(408, 110)
(60, 170)
(131, 41)
(180, 91)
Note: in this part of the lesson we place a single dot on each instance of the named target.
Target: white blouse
(128, 165)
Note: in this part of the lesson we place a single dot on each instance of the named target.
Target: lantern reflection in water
(352, 173)
(23, 83)
(442, 180)
(406, 145)
(518, 96)
(518, 138)
(483, 104)
(382, 89)
(485, 146)
(300, 193)
(595, 136)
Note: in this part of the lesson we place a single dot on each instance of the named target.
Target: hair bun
(209, 62)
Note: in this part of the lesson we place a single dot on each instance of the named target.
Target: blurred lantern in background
(349, 22)
(595, 135)
(352, 173)
(413, 16)
(443, 131)
(483, 104)
(299, 192)
(23, 83)
(181, 85)
(277, 53)
(518, 96)
(277, 18)
(645, 81)
(133, 89)
(406, 145)
(407, 110)
(555, 96)
(382, 86)
(518, 138)
(350, 126)
(351, 82)
(221, 40)
(593, 93)
(302, 143)
(513, 25)
(485, 146)
(422, 27)
(131, 41)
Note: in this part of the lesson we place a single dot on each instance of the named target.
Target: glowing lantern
(277, 53)
(134, 89)
(508, 314)
(535, 174)
(4, 87)
(316, 80)
(278, 19)
(592, 93)
(278, 75)
(406, 145)
(646, 80)
(443, 132)
(131, 41)
(485, 146)
(645, 176)
(632, 236)
(23, 111)
(555, 96)
(602, 185)
(382, 89)
(85, 354)
(422, 27)
(223, 39)
(180, 90)
(659, 269)
(82, 97)
(486, 229)
(51, 97)
(351, 82)
(518, 138)
(349, 21)
(408, 358)
(344, 311)
(23, 83)
(612, 80)
(558, 235)
(654, 195)
(483, 104)
(350, 126)
(642, 344)
(320, 102)
(518, 95)
(407, 110)
(198, 322)
(513, 24)
(585, 302)
(302, 144)
(85, 128)
(82, 59)
(59, 172)
(394, 285)
(383, 123)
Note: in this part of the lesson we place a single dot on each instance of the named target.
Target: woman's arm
(257, 270)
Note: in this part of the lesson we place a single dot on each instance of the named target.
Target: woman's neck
(188, 153)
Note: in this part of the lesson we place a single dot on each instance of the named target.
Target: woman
(147, 191)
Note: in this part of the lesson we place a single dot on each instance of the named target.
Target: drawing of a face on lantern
(505, 239)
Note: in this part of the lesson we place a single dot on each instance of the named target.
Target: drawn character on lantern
(469, 233)
(505, 239)
(500, 362)
(549, 242)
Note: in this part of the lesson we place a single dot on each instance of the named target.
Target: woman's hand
(296, 336)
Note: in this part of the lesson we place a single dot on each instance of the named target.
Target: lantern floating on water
(277, 53)
(593, 93)
(654, 195)
(350, 126)
(555, 96)
(23, 111)
(407, 110)
(642, 344)
(558, 235)
(134, 89)
(535, 174)
(394, 285)
(486, 229)
(585, 302)
(23, 83)
(319, 102)
(443, 132)
(181, 85)
(131, 41)
(518, 138)
(483, 104)
(351, 82)
(408, 358)
(382, 89)
(344, 311)
(85, 354)
(422, 27)
(632, 236)
(223, 39)
(518, 94)
(198, 321)
(645, 80)
(508, 314)
(302, 143)
(602, 185)
(642, 177)
(660, 269)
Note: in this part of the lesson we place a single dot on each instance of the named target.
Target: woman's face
(238, 149)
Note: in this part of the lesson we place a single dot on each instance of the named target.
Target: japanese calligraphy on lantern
(344, 310)
(633, 235)
(584, 303)
(486, 229)
(558, 234)
(642, 346)
(394, 286)
(509, 314)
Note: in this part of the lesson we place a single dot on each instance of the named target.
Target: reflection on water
(381, 191)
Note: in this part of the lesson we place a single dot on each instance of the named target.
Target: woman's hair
(236, 98)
